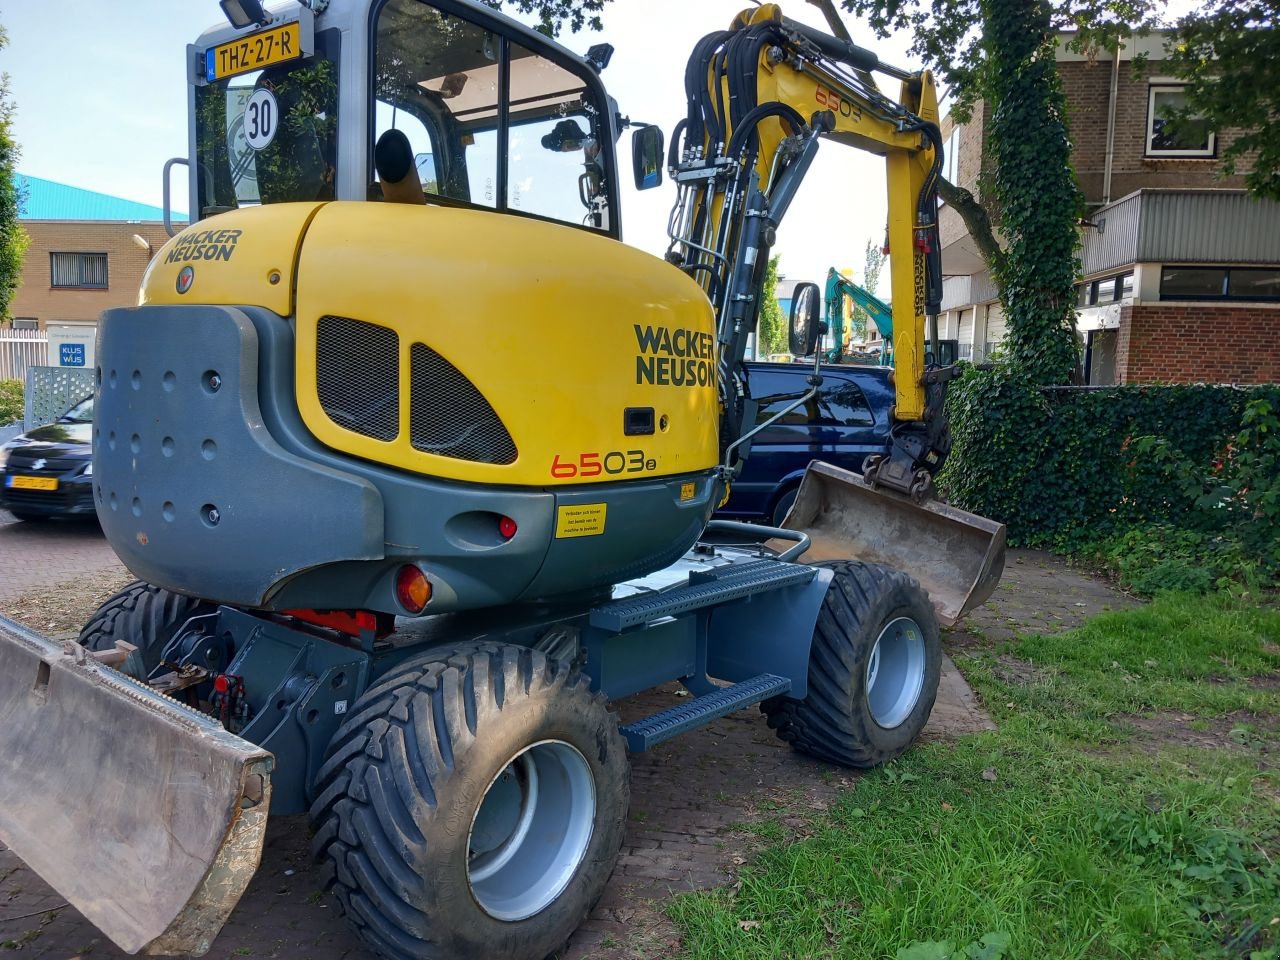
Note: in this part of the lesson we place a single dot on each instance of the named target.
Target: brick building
(88, 252)
(1181, 268)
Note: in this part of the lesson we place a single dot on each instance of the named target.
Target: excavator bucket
(957, 556)
(148, 817)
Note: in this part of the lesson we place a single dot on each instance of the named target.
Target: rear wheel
(472, 806)
(144, 615)
(873, 669)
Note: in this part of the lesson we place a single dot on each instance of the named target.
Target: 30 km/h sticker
(261, 119)
(582, 520)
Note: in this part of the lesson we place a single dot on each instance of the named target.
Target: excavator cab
(291, 110)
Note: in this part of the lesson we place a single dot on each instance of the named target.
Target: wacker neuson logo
(204, 245)
(675, 358)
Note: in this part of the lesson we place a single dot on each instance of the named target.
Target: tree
(1002, 52)
(873, 263)
(554, 14)
(771, 329)
(13, 239)
(1229, 54)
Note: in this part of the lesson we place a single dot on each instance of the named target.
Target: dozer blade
(957, 556)
(148, 817)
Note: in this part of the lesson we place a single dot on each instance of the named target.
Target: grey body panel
(168, 446)
(336, 537)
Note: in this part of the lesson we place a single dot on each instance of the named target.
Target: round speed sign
(261, 118)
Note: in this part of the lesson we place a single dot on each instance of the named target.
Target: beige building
(88, 252)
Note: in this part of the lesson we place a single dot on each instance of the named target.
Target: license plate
(33, 483)
(254, 52)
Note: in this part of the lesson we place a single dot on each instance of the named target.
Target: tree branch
(837, 26)
(978, 223)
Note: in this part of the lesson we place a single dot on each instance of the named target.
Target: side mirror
(805, 325)
(647, 156)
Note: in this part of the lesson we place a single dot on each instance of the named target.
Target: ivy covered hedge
(1070, 468)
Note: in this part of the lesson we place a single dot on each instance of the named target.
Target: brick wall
(1087, 88)
(970, 160)
(1199, 342)
(126, 261)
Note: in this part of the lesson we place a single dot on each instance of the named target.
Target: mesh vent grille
(358, 376)
(449, 417)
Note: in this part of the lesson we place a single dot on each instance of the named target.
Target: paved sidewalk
(34, 556)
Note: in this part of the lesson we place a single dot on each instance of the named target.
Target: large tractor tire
(873, 669)
(144, 615)
(473, 805)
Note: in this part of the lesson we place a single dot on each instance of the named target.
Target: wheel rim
(895, 672)
(530, 833)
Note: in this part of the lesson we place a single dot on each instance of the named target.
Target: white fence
(20, 349)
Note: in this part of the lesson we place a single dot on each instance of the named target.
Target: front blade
(148, 817)
(957, 556)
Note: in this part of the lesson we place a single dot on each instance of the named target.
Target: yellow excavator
(396, 554)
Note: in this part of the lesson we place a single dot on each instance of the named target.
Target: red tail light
(413, 589)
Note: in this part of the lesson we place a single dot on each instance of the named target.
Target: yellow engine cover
(241, 258)
(566, 335)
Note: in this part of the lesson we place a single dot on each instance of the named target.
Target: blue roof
(46, 200)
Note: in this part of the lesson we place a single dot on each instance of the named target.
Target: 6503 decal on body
(588, 465)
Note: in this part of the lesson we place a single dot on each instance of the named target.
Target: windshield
(82, 412)
(438, 79)
(269, 136)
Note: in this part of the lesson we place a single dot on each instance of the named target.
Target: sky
(100, 90)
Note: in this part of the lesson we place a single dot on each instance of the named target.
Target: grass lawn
(1128, 807)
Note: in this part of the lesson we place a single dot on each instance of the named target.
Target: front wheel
(783, 507)
(472, 806)
(873, 669)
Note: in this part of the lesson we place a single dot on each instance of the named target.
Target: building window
(950, 157)
(1108, 290)
(26, 323)
(1247, 284)
(1220, 283)
(1190, 138)
(78, 270)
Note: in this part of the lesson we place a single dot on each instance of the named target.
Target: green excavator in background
(837, 288)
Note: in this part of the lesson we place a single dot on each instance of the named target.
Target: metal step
(705, 589)
(651, 731)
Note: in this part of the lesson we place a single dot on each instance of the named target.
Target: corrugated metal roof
(1113, 238)
(46, 200)
(1208, 226)
(1182, 226)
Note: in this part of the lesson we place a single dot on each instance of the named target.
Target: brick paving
(690, 797)
(42, 554)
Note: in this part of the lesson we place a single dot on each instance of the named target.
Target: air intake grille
(358, 376)
(449, 417)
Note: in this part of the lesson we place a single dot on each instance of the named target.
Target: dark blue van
(846, 422)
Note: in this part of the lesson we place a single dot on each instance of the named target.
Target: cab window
(491, 123)
(269, 136)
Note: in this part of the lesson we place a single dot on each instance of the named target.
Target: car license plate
(33, 483)
(253, 52)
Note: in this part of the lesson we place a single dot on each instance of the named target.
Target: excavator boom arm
(762, 94)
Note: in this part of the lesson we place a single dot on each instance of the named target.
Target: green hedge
(1061, 467)
(10, 401)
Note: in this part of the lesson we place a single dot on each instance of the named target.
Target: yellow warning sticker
(687, 490)
(581, 520)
